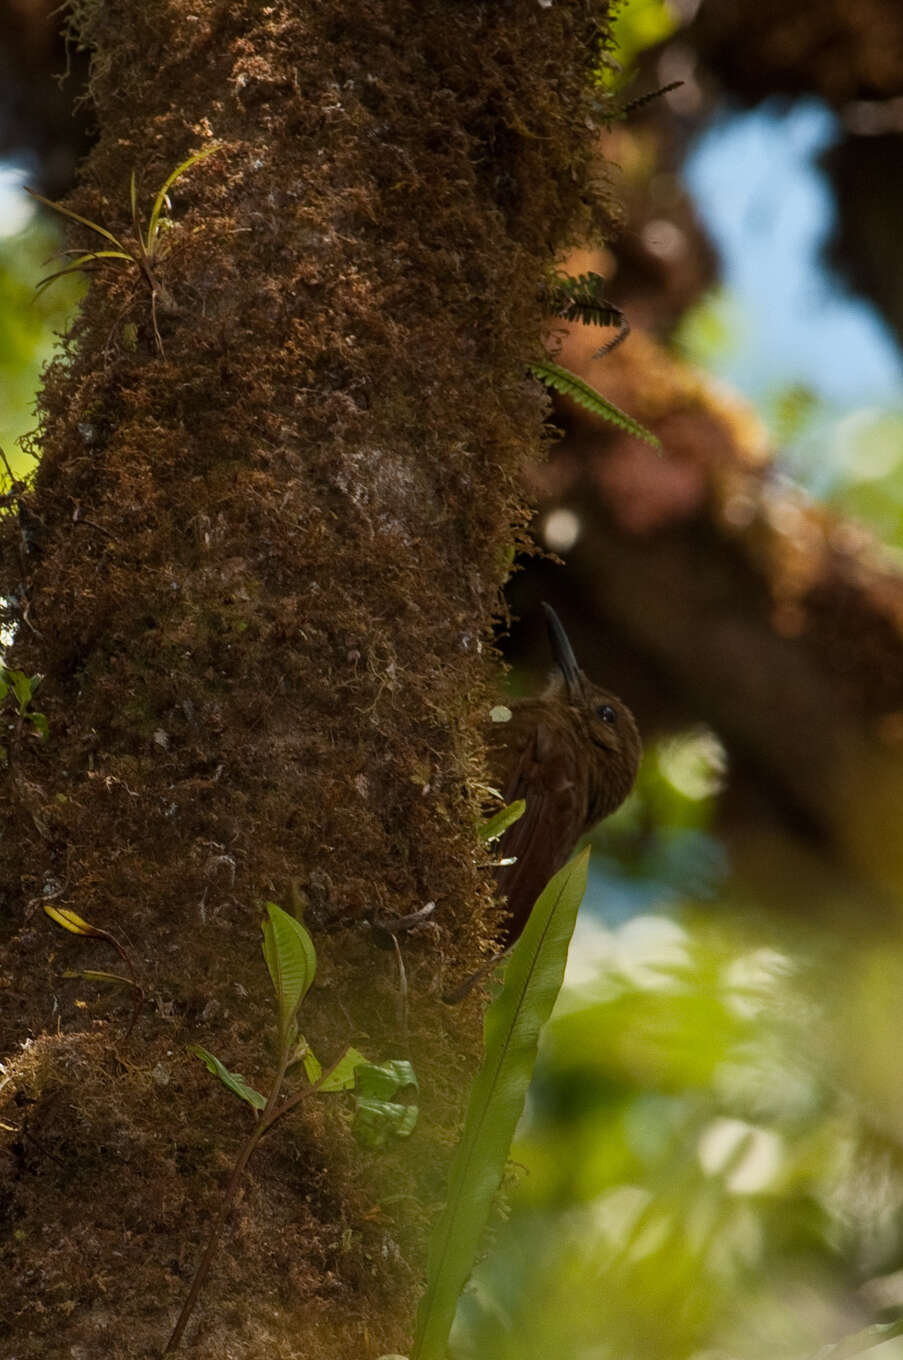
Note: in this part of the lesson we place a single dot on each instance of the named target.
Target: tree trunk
(280, 483)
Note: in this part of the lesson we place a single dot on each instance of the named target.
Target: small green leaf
(40, 725)
(382, 1081)
(513, 1025)
(234, 1080)
(378, 1117)
(342, 1076)
(22, 685)
(305, 1055)
(377, 1121)
(499, 824)
(292, 962)
(570, 385)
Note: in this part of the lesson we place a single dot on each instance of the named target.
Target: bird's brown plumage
(572, 754)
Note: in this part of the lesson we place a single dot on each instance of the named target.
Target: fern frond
(580, 299)
(570, 385)
(623, 326)
(642, 100)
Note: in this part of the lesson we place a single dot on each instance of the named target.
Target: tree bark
(279, 488)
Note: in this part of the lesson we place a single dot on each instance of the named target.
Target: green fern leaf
(580, 299)
(570, 385)
(631, 107)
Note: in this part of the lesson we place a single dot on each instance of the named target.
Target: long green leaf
(570, 385)
(81, 266)
(511, 1038)
(234, 1080)
(292, 961)
(160, 200)
(94, 975)
(76, 217)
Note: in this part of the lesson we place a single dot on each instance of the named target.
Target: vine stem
(271, 1112)
(268, 1117)
(200, 1274)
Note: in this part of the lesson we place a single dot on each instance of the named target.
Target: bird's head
(601, 717)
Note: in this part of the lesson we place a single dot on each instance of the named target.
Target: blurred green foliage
(703, 1171)
(710, 329)
(639, 24)
(850, 459)
(28, 325)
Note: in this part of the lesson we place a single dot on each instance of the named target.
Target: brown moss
(266, 563)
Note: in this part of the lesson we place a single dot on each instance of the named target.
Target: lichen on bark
(263, 560)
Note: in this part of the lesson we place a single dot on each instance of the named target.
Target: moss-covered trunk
(258, 571)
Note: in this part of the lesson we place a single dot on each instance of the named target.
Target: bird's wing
(542, 839)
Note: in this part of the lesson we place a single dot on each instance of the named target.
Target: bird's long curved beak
(563, 653)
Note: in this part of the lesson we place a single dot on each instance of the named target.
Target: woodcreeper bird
(572, 754)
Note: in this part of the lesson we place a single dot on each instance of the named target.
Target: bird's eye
(607, 713)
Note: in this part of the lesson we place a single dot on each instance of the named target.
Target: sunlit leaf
(70, 920)
(341, 1078)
